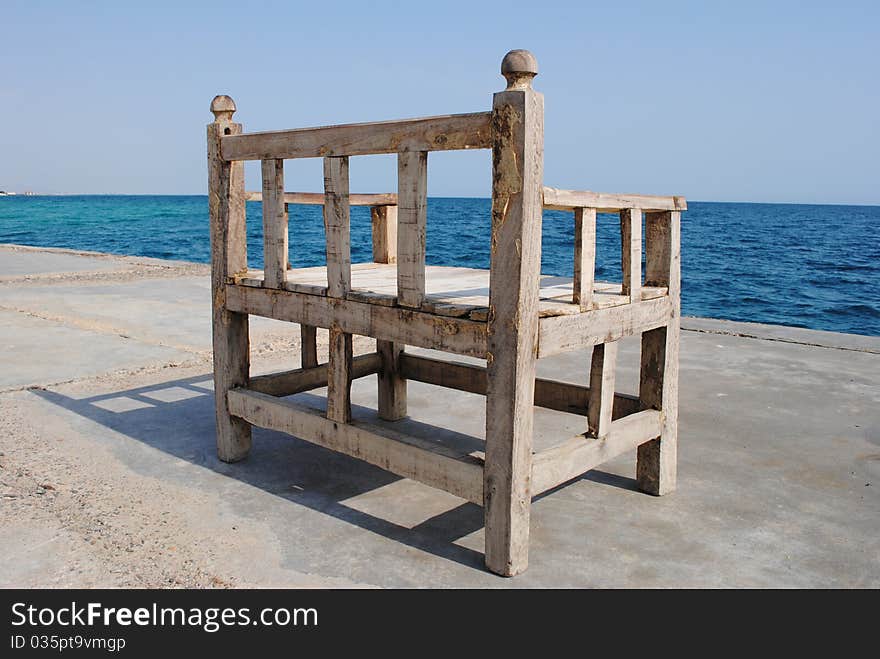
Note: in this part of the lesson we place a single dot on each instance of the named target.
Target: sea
(813, 266)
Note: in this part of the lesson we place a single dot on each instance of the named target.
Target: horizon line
(190, 194)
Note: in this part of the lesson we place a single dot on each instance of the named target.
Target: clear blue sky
(745, 101)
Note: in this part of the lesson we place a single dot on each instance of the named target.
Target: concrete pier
(108, 472)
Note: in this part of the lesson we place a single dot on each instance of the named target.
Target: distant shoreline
(690, 201)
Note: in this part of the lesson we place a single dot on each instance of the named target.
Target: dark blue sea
(789, 264)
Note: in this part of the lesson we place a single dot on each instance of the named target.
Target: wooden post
(658, 383)
(339, 376)
(308, 346)
(631, 252)
(602, 376)
(226, 206)
(275, 254)
(308, 340)
(584, 256)
(517, 181)
(658, 243)
(337, 226)
(392, 385)
(384, 225)
(412, 191)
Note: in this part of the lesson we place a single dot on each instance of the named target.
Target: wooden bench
(518, 320)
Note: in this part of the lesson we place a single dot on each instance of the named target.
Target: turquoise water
(802, 265)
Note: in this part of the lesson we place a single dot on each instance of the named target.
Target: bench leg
(512, 342)
(602, 376)
(226, 206)
(231, 369)
(507, 487)
(392, 386)
(507, 473)
(339, 376)
(658, 389)
(308, 346)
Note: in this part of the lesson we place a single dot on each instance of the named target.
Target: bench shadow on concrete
(177, 417)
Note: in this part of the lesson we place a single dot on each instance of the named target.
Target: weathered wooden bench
(516, 322)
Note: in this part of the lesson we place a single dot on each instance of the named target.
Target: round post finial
(519, 67)
(223, 108)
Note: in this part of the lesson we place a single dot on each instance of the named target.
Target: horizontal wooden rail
(422, 460)
(564, 333)
(579, 454)
(551, 394)
(415, 328)
(317, 198)
(566, 200)
(449, 132)
(287, 383)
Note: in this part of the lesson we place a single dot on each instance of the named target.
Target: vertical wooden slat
(274, 225)
(286, 224)
(392, 385)
(658, 385)
(338, 234)
(631, 252)
(339, 376)
(517, 179)
(657, 245)
(602, 375)
(337, 226)
(226, 206)
(412, 197)
(384, 225)
(308, 346)
(584, 256)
